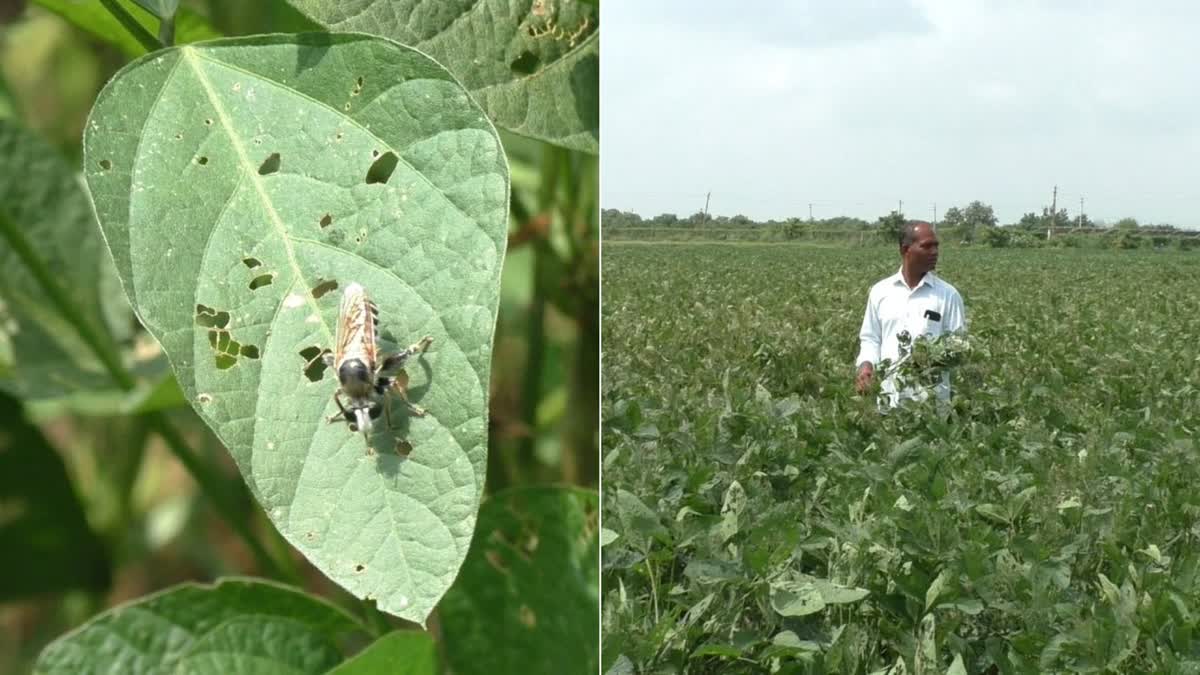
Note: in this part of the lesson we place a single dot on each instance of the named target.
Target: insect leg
(399, 387)
(396, 361)
(340, 416)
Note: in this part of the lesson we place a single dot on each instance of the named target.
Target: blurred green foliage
(140, 506)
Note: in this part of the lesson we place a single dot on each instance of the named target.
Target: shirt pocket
(928, 318)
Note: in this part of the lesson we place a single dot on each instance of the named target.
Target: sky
(859, 107)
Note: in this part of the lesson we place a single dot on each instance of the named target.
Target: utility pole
(704, 218)
(1053, 212)
(1079, 220)
(900, 209)
(810, 212)
(935, 216)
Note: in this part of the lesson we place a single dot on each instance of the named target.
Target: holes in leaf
(208, 122)
(326, 220)
(359, 567)
(178, 136)
(324, 287)
(338, 137)
(382, 168)
(525, 64)
(403, 448)
(358, 84)
(374, 154)
(205, 398)
(250, 351)
(105, 164)
(211, 318)
(261, 280)
(314, 365)
(251, 262)
(202, 160)
(270, 165)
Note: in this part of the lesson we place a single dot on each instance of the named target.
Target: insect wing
(356, 327)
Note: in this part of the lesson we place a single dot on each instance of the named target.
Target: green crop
(759, 516)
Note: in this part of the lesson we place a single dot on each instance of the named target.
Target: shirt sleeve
(956, 315)
(870, 335)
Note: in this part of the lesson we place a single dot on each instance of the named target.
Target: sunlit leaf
(239, 187)
(397, 653)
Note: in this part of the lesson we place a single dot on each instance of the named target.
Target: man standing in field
(914, 300)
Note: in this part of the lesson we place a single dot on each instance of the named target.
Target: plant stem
(143, 36)
(106, 352)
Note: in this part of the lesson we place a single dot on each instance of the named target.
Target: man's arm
(869, 339)
(956, 315)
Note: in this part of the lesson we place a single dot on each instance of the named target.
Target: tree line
(974, 223)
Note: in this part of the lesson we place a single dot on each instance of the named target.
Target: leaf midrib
(248, 170)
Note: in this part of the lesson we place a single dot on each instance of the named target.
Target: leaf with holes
(241, 185)
(532, 577)
(233, 626)
(533, 65)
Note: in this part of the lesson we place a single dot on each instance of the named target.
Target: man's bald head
(910, 231)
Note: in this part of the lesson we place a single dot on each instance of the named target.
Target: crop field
(761, 517)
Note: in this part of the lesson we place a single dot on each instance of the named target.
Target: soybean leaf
(48, 236)
(42, 527)
(238, 184)
(796, 598)
(532, 579)
(397, 653)
(533, 65)
(233, 626)
(92, 17)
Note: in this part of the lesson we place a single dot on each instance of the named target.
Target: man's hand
(866, 372)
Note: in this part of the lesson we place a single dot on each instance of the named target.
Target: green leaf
(46, 224)
(607, 536)
(397, 653)
(640, 523)
(533, 66)
(91, 17)
(231, 182)
(796, 598)
(935, 589)
(532, 578)
(42, 522)
(957, 668)
(233, 626)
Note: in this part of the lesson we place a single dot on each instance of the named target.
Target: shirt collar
(927, 280)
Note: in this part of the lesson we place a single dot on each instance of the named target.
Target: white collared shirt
(892, 307)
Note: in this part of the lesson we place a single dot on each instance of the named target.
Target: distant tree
(1060, 218)
(890, 225)
(996, 237)
(794, 229)
(741, 221)
(1031, 221)
(970, 220)
(1126, 224)
(699, 218)
(666, 219)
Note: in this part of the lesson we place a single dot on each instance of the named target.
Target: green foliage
(532, 572)
(237, 287)
(533, 67)
(240, 185)
(42, 523)
(765, 518)
(235, 626)
(889, 226)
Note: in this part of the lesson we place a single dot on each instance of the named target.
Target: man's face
(922, 255)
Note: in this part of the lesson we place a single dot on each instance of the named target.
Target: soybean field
(759, 516)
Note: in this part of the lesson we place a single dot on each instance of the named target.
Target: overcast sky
(853, 105)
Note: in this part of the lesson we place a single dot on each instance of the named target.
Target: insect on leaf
(231, 181)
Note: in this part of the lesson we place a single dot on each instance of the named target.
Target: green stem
(166, 31)
(106, 352)
(143, 36)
